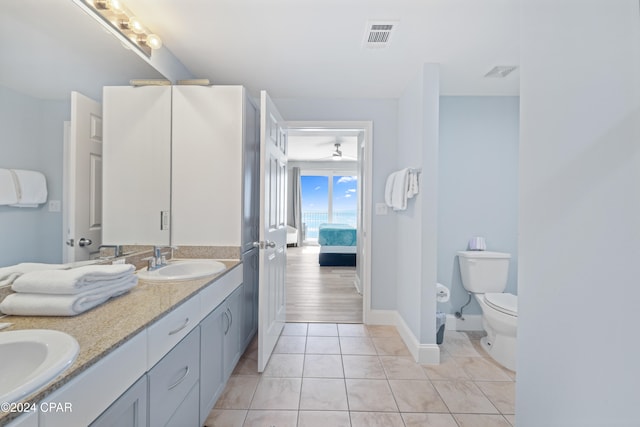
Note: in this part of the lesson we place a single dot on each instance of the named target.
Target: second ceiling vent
(379, 33)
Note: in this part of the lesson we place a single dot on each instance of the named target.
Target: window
(327, 198)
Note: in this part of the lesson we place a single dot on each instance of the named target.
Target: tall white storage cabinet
(208, 178)
(215, 181)
(137, 165)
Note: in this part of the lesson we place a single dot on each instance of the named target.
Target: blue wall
(477, 186)
(32, 138)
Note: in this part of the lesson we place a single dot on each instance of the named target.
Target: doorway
(328, 282)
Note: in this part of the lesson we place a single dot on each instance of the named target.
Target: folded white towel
(413, 185)
(11, 273)
(73, 281)
(8, 191)
(33, 188)
(388, 189)
(399, 192)
(28, 304)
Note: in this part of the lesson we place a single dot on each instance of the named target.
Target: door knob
(270, 244)
(84, 242)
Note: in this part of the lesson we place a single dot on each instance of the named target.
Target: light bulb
(136, 25)
(154, 42)
(115, 5)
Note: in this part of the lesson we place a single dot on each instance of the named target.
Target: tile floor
(332, 375)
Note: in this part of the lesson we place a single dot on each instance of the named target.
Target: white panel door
(273, 234)
(84, 180)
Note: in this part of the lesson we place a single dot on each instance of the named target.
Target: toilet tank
(483, 271)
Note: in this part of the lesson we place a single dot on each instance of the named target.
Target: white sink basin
(31, 358)
(183, 269)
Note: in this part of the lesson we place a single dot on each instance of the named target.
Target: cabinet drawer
(168, 331)
(213, 295)
(172, 378)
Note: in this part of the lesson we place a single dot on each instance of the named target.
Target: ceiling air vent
(378, 34)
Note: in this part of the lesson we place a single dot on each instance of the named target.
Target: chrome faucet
(117, 250)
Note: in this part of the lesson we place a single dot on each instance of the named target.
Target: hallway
(320, 294)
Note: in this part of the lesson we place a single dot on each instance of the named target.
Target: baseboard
(469, 322)
(421, 353)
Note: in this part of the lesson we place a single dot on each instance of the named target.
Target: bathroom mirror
(49, 48)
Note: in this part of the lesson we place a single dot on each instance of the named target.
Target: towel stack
(67, 292)
(401, 186)
(22, 188)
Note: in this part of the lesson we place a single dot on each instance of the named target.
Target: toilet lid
(504, 302)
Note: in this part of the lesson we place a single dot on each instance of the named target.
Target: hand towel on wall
(8, 192)
(28, 304)
(73, 281)
(399, 192)
(413, 185)
(33, 188)
(388, 189)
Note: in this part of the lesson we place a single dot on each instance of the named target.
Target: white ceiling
(319, 145)
(313, 48)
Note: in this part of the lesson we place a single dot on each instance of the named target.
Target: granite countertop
(105, 328)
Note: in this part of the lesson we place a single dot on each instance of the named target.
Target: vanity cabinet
(171, 382)
(130, 410)
(136, 180)
(220, 349)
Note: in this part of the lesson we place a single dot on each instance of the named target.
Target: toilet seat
(503, 302)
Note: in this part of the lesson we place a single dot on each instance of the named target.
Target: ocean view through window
(328, 199)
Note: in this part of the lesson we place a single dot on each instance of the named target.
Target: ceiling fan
(337, 155)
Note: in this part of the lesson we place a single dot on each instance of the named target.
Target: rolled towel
(33, 188)
(73, 281)
(400, 188)
(9, 274)
(8, 190)
(28, 304)
(388, 189)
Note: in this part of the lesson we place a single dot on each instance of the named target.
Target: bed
(337, 245)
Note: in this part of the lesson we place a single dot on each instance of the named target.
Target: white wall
(579, 214)
(477, 186)
(418, 117)
(32, 138)
(384, 115)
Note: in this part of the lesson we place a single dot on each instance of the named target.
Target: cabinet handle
(175, 331)
(230, 317)
(228, 322)
(174, 385)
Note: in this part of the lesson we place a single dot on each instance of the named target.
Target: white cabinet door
(207, 165)
(137, 165)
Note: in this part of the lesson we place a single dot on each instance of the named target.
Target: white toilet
(485, 275)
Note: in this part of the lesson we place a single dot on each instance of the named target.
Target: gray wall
(477, 186)
(579, 210)
(417, 226)
(32, 138)
(384, 114)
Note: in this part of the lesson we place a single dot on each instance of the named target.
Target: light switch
(381, 209)
(54, 205)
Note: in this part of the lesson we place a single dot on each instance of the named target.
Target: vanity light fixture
(119, 18)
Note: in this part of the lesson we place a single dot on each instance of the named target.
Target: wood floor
(320, 294)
